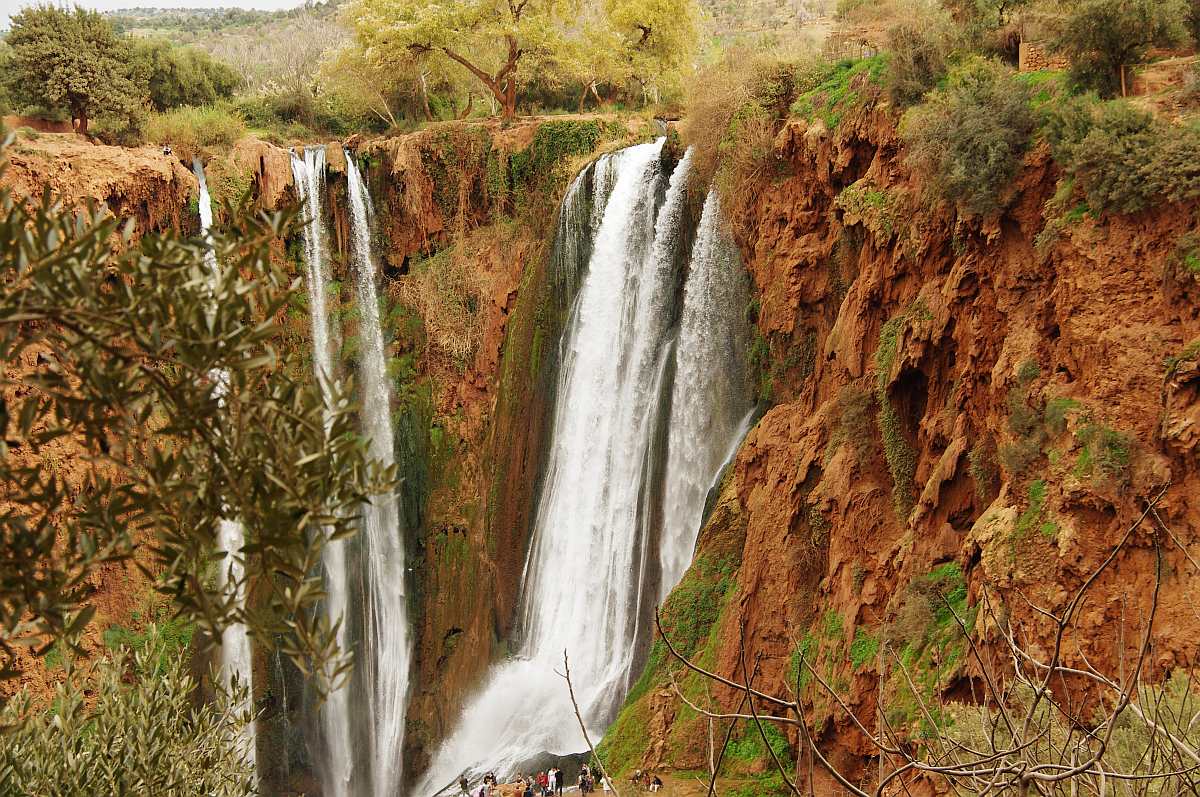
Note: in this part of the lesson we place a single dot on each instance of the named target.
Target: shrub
(1123, 159)
(984, 468)
(194, 131)
(1104, 38)
(733, 108)
(970, 136)
(129, 727)
(1106, 452)
(917, 62)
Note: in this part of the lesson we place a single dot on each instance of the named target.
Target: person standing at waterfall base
(463, 786)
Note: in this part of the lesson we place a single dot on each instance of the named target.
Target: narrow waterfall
(386, 648)
(309, 174)
(231, 539)
(589, 573)
(712, 403)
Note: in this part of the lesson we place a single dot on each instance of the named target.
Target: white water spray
(582, 576)
(235, 671)
(386, 648)
(712, 402)
(309, 173)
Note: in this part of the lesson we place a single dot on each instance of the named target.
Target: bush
(176, 76)
(1122, 158)
(917, 62)
(970, 136)
(732, 108)
(195, 131)
(128, 728)
(1105, 37)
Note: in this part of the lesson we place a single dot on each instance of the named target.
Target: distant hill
(198, 25)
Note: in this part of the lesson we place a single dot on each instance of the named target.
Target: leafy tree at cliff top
(659, 37)
(71, 60)
(1106, 37)
(177, 75)
(491, 39)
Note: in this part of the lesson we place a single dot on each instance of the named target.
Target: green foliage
(839, 87)
(1034, 516)
(71, 60)
(897, 450)
(1056, 413)
(1106, 452)
(802, 659)
(918, 61)
(1124, 159)
(875, 207)
(984, 468)
(971, 135)
(1105, 37)
(165, 640)
(932, 646)
(832, 625)
(127, 374)
(176, 76)
(864, 648)
(129, 727)
(748, 747)
(193, 132)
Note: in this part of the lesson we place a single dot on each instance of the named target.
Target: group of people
(550, 783)
(645, 780)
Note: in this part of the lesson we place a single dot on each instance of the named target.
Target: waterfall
(309, 174)
(386, 648)
(712, 402)
(589, 575)
(231, 539)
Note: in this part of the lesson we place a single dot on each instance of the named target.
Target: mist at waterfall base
(617, 517)
(235, 655)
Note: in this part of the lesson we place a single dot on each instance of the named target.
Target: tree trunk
(1124, 91)
(81, 122)
(583, 96)
(425, 100)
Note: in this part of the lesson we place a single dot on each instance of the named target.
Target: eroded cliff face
(956, 411)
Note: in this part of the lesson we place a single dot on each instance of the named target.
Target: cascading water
(309, 174)
(386, 648)
(712, 403)
(231, 539)
(590, 574)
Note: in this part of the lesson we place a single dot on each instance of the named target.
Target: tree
(157, 367)
(970, 136)
(71, 60)
(1105, 37)
(175, 76)
(98, 718)
(659, 38)
(491, 39)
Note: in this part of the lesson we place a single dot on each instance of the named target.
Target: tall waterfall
(712, 402)
(386, 647)
(598, 558)
(231, 539)
(309, 174)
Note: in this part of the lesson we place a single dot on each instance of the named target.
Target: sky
(10, 7)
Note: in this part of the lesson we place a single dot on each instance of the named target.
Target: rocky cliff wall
(956, 410)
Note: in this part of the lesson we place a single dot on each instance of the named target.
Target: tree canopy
(499, 41)
(1105, 37)
(71, 60)
(175, 76)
